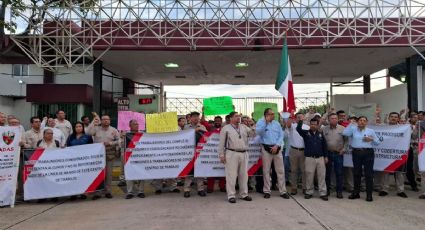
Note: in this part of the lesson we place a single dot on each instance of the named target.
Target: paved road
(172, 211)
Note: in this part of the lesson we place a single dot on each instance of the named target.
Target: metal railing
(245, 105)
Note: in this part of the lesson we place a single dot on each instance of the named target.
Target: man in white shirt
(63, 124)
(296, 152)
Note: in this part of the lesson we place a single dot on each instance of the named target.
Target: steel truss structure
(70, 35)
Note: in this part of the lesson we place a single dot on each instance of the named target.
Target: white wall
(343, 101)
(6, 105)
(392, 99)
(9, 84)
(18, 107)
(70, 76)
(22, 110)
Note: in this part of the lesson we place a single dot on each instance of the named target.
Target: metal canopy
(69, 35)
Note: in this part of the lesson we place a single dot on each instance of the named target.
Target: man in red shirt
(342, 118)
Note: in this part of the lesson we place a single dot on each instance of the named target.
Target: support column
(366, 84)
(412, 82)
(97, 87)
(127, 87)
(421, 88)
(332, 104)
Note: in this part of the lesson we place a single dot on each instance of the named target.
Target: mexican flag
(284, 81)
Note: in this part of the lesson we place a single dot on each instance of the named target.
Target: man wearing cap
(200, 129)
(271, 134)
(233, 154)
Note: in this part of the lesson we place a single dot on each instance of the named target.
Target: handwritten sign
(259, 108)
(218, 105)
(161, 122)
(124, 118)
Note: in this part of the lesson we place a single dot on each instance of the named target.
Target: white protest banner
(9, 164)
(421, 147)
(160, 155)
(208, 163)
(63, 172)
(392, 151)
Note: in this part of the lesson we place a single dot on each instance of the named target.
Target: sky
(300, 90)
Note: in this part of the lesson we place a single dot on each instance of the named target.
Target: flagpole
(285, 106)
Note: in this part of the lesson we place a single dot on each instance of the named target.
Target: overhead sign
(123, 104)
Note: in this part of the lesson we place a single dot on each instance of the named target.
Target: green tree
(36, 12)
(318, 108)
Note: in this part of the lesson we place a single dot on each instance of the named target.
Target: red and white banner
(9, 164)
(63, 172)
(160, 156)
(208, 163)
(421, 147)
(392, 151)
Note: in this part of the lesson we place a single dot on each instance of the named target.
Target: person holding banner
(362, 143)
(271, 134)
(181, 122)
(218, 124)
(194, 124)
(103, 132)
(232, 150)
(48, 142)
(49, 123)
(131, 184)
(393, 119)
(78, 137)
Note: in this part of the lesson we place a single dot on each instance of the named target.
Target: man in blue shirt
(271, 134)
(315, 153)
(363, 154)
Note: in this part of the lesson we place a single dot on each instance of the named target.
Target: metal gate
(243, 105)
(43, 110)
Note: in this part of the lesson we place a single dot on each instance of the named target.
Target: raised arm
(300, 129)
(348, 131)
